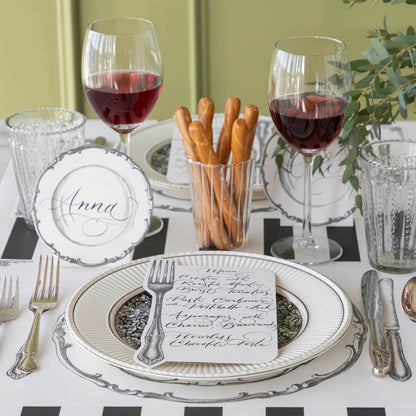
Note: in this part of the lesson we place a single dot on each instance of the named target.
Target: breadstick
(239, 139)
(183, 119)
(218, 183)
(231, 113)
(251, 115)
(238, 146)
(206, 110)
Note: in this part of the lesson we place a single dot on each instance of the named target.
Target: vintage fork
(9, 301)
(151, 351)
(45, 297)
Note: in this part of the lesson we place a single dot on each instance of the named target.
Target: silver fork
(45, 297)
(9, 301)
(150, 352)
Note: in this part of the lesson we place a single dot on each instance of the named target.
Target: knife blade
(379, 353)
(399, 368)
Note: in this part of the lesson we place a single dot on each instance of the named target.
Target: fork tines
(50, 287)
(9, 298)
(157, 277)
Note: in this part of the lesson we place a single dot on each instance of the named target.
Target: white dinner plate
(150, 140)
(325, 308)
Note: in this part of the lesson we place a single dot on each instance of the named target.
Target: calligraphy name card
(177, 170)
(219, 315)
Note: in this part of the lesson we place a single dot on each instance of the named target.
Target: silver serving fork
(45, 297)
(151, 351)
(9, 300)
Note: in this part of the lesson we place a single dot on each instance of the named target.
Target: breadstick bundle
(220, 176)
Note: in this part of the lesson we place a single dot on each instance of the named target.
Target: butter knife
(399, 368)
(379, 352)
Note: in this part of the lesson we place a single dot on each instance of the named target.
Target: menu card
(213, 314)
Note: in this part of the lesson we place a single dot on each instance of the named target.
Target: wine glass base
(156, 225)
(323, 250)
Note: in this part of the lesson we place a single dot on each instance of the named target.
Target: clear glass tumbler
(221, 200)
(388, 188)
(36, 138)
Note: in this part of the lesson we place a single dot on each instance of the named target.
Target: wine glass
(122, 76)
(309, 76)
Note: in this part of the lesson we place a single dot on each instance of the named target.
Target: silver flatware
(150, 352)
(9, 300)
(379, 352)
(45, 297)
(399, 368)
(409, 298)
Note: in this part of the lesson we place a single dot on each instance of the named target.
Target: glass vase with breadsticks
(221, 176)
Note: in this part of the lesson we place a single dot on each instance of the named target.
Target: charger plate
(327, 313)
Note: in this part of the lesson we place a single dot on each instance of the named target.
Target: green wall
(217, 48)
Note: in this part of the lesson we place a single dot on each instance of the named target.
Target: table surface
(70, 382)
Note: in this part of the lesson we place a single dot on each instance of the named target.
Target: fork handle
(29, 361)
(151, 352)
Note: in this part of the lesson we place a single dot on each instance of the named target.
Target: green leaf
(380, 49)
(347, 174)
(402, 105)
(354, 182)
(353, 93)
(358, 63)
(359, 203)
(364, 82)
(317, 163)
(392, 77)
(279, 161)
(352, 108)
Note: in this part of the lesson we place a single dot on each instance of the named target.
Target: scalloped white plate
(92, 206)
(149, 140)
(325, 308)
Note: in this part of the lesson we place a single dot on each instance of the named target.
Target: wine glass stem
(125, 143)
(307, 236)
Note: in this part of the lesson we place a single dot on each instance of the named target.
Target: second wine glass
(309, 76)
(122, 73)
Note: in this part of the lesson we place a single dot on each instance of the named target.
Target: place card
(177, 171)
(210, 314)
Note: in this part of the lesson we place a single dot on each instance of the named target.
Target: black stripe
(122, 411)
(366, 411)
(203, 411)
(284, 411)
(21, 243)
(347, 237)
(152, 246)
(40, 411)
(272, 231)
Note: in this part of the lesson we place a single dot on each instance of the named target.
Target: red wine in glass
(308, 122)
(123, 99)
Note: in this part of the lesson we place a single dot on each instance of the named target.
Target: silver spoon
(409, 298)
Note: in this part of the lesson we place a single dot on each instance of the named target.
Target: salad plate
(92, 205)
(325, 310)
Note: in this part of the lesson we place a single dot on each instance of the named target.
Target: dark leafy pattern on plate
(132, 317)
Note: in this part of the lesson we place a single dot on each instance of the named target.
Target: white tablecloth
(354, 391)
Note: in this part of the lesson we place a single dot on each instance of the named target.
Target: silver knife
(379, 352)
(399, 368)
